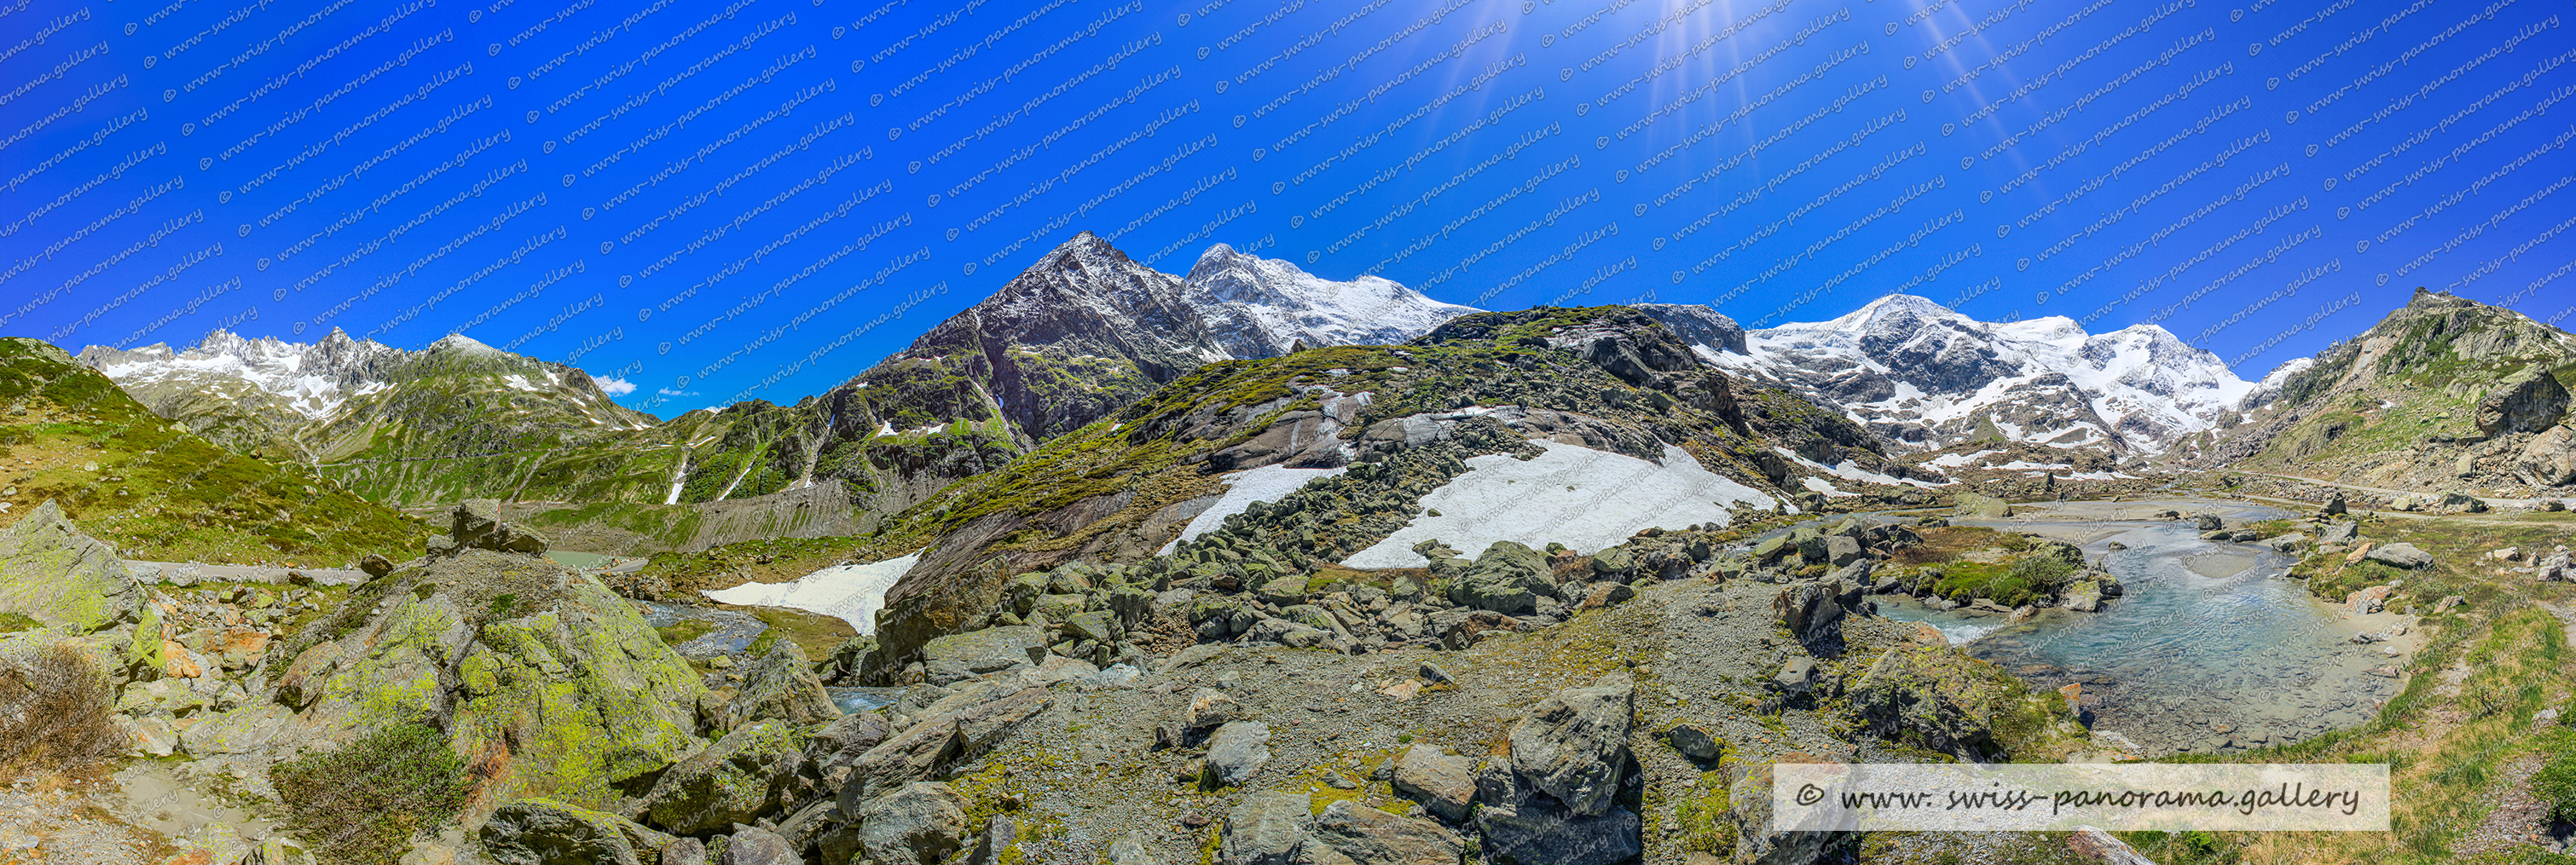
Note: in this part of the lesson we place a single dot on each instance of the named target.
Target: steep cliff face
(2445, 392)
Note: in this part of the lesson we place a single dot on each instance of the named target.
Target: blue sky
(763, 197)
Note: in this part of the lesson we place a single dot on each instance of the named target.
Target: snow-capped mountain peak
(1261, 307)
(311, 378)
(1925, 375)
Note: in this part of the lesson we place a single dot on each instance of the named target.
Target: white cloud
(669, 392)
(613, 385)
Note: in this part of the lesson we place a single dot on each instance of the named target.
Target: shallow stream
(2211, 648)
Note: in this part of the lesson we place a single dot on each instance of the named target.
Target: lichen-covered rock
(1442, 783)
(744, 775)
(919, 824)
(1284, 591)
(958, 727)
(780, 685)
(549, 832)
(1216, 617)
(1947, 701)
(754, 846)
(1287, 633)
(916, 753)
(959, 657)
(1236, 753)
(1506, 579)
(1265, 829)
(52, 573)
(2084, 596)
(1100, 626)
(1350, 832)
(532, 668)
(1813, 611)
(1574, 745)
(1615, 563)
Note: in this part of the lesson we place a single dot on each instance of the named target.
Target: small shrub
(362, 803)
(55, 709)
(2039, 574)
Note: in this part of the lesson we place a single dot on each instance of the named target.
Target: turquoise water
(734, 632)
(863, 699)
(2187, 661)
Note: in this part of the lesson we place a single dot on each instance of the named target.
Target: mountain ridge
(2442, 394)
(1082, 332)
(1923, 376)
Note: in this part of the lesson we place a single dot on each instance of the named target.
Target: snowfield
(851, 593)
(1583, 498)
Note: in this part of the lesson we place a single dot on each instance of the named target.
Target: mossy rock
(570, 695)
(741, 777)
(1948, 701)
(54, 575)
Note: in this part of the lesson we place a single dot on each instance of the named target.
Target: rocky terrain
(1630, 719)
(1246, 566)
(2444, 396)
(1380, 427)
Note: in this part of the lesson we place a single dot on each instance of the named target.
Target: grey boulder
(755, 846)
(921, 823)
(958, 657)
(2400, 555)
(1264, 830)
(1574, 745)
(548, 832)
(1442, 783)
(1236, 753)
(1349, 833)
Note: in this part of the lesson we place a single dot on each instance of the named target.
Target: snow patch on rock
(1583, 498)
(851, 593)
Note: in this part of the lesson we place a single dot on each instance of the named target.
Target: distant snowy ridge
(1924, 376)
(1261, 307)
(312, 379)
